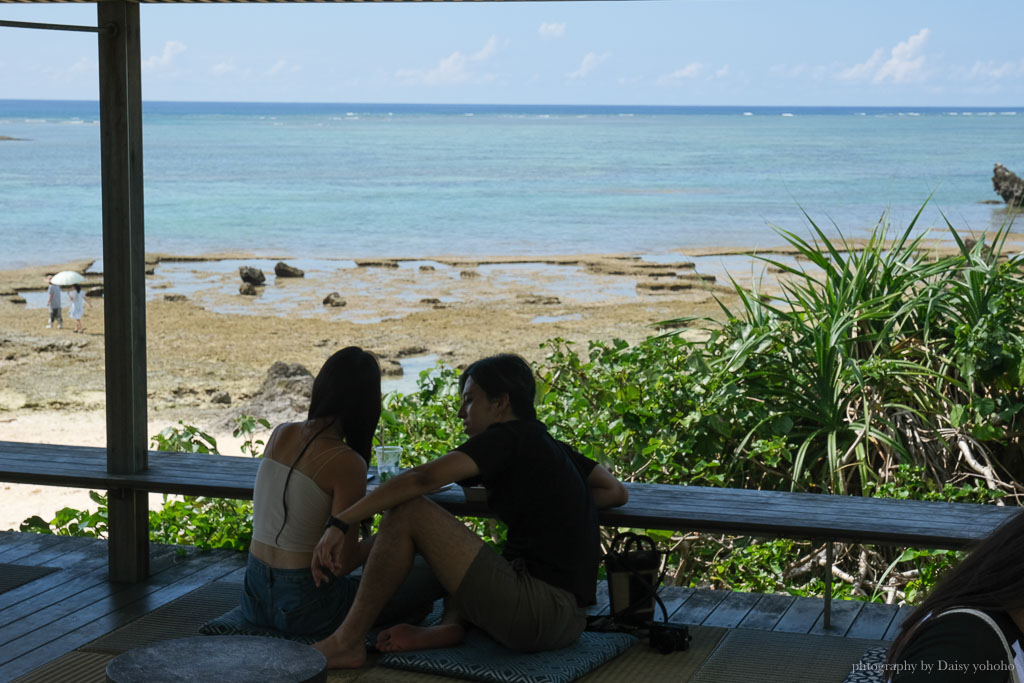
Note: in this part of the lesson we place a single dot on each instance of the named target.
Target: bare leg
(418, 525)
(402, 637)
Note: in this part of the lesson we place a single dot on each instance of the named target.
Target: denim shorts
(289, 601)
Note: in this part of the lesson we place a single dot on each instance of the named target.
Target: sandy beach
(209, 347)
(208, 351)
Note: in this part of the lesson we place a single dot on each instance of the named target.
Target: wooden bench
(776, 514)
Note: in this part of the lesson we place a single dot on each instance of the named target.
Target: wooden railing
(776, 514)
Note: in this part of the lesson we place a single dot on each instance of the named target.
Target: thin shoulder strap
(288, 478)
(328, 456)
(1014, 676)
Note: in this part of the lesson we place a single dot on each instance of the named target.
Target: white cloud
(591, 61)
(224, 68)
(83, 66)
(864, 70)
(799, 71)
(455, 68)
(786, 71)
(905, 64)
(992, 71)
(691, 71)
(282, 67)
(552, 30)
(172, 49)
(487, 51)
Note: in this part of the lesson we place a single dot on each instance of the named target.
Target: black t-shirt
(959, 647)
(537, 486)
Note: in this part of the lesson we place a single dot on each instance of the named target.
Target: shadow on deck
(61, 620)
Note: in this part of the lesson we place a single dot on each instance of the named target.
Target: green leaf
(986, 432)
(782, 425)
(958, 416)
(985, 406)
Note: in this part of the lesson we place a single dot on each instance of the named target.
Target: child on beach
(53, 302)
(530, 597)
(78, 303)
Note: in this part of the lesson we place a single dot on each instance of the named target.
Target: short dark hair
(508, 374)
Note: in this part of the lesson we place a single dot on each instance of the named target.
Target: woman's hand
(326, 563)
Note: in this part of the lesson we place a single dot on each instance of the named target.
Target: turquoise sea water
(357, 180)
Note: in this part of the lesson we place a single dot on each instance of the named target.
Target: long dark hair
(990, 579)
(346, 390)
(505, 373)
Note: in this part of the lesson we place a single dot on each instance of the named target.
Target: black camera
(667, 637)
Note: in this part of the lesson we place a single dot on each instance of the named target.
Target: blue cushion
(479, 658)
(234, 623)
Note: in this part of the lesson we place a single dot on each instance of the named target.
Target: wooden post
(124, 285)
(829, 561)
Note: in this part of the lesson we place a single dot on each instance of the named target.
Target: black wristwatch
(334, 521)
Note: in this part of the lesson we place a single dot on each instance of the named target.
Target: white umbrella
(67, 277)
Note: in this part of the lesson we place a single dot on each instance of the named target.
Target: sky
(641, 52)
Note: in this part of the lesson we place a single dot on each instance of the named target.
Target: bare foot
(340, 655)
(402, 637)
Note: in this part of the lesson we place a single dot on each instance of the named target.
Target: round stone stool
(224, 659)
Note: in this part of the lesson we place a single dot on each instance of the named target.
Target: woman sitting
(970, 626)
(311, 470)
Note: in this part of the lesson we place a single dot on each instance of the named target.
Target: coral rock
(252, 275)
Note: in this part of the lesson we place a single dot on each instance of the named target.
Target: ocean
(407, 180)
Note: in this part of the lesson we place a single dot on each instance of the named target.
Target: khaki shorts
(521, 612)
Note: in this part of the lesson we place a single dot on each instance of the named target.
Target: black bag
(633, 567)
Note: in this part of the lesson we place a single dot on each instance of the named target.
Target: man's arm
(606, 490)
(408, 485)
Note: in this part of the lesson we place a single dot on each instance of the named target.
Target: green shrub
(875, 370)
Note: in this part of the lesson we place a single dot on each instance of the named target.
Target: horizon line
(543, 104)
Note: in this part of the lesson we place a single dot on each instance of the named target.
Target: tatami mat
(14, 575)
(641, 663)
(80, 667)
(770, 657)
(178, 619)
(715, 655)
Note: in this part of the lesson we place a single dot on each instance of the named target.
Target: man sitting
(533, 595)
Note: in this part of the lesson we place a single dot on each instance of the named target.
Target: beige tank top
(309, 506)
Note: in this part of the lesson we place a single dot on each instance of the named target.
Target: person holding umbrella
(64, 278)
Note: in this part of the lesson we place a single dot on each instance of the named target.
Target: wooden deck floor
(56, 604)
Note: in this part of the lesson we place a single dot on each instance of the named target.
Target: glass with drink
(387, 461)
